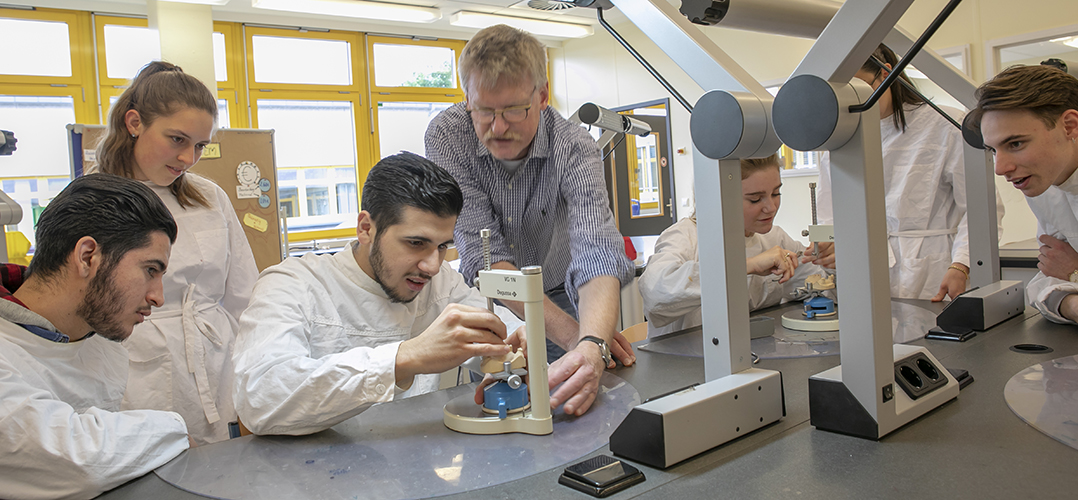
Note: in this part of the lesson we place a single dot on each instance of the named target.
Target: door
(642, 182)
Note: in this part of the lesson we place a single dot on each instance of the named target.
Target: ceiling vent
(548, 5)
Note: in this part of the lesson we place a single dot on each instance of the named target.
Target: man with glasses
(536, 182)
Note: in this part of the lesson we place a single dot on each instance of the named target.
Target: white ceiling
(241, 11)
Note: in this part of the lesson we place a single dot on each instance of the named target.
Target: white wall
(597, 69)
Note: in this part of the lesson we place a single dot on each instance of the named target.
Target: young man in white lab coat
(102, 247)
(1028, 117)
(327, 336)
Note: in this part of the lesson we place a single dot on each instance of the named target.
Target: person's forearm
(1068, 308)
(600, 303)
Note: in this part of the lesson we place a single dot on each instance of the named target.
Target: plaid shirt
(553, 211)
(11, 278)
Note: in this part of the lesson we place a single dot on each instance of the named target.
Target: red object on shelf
(630, 250)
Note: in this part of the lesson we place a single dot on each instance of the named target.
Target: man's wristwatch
(1074, 276)
(603, 348)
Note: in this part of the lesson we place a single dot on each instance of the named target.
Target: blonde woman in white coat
(670, 285)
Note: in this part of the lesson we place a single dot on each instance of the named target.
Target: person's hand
(517, 340)
(621, 350)
(578, 372)
(459, 333)
(776, 260)
(825, 256)
(954, 282)
(1057, 259)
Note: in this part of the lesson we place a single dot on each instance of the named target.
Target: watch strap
(604, 349)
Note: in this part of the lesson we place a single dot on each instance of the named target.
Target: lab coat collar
(346, 262)
(1070, 186)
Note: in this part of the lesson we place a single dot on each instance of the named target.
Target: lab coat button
(381, 388)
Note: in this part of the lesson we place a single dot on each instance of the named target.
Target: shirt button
(510, 245)
(510, 186)
(381, 388)
(510, 219)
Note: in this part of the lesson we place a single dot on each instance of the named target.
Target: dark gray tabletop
(972, 447)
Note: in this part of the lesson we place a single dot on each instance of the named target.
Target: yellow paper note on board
(211, 151)
(255, 222)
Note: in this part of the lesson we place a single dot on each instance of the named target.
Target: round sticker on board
(248, 174)
(264, 184)
(662, 161)
(264, 201)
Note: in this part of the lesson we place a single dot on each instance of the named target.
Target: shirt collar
(346, 260)
(1070, 186)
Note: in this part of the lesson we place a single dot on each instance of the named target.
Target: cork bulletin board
(241, 161)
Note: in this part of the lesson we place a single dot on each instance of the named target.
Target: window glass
(314, 173)
(128, 49)
(37, 170)
(222, 113)
(317, 200)
(347, 201)
(1065, 48)
(401, 125)
(289, 199)
(220, 68)
(302, 60)
(644, 181)
(39, 48)
(307, 154)
(414, 66)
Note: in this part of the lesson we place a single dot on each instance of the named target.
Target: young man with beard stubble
(102, 247)
(327, 336)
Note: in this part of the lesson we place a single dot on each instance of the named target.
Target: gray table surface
(972, 447)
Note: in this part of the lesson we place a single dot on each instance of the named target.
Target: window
(41, 91)
(414, 80)
(401, 125)
(314, 88)
(396, 65)
(228, 68)
(51, 42)
(309, 87)
(313, 160)
(301, 60)
(129, 48)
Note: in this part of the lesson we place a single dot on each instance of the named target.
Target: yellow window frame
(363, 146)
(85, 112)
(455, 45)
(78, 33)
(234, 89)
(359, 63)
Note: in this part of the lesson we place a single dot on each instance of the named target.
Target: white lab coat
(925, 186)
(318, 344)
(1055, 210)
(61, 434)
(670, 285)
(181, 356)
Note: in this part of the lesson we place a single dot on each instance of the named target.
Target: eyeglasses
(512, 114)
